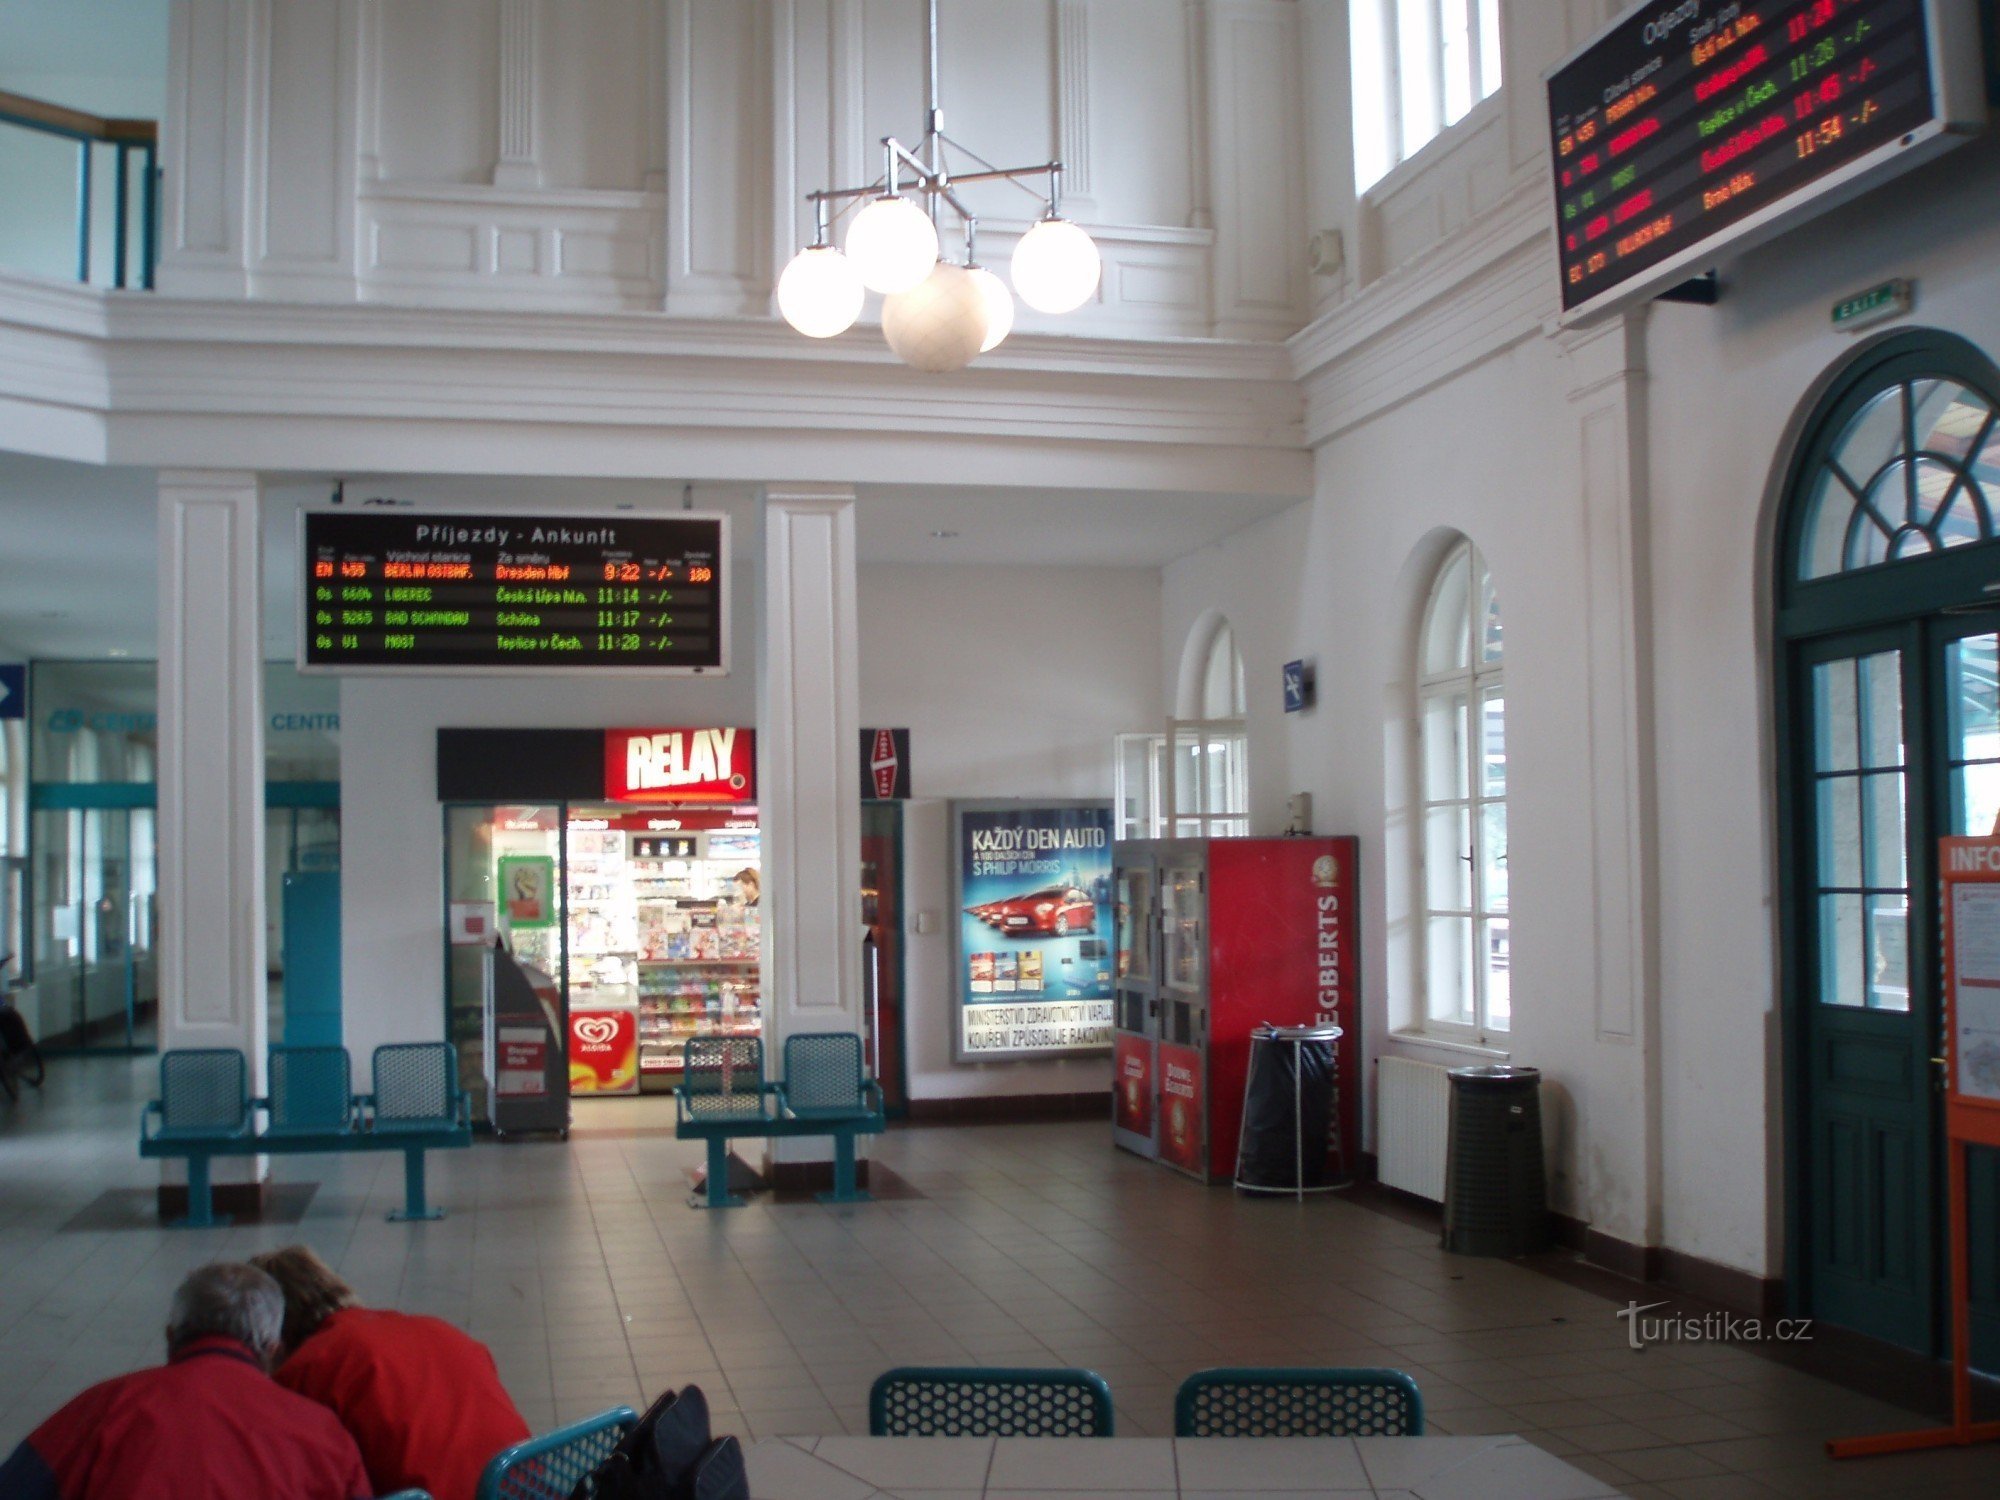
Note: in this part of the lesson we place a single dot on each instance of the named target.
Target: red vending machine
(1217, 937)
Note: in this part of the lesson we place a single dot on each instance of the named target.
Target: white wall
(1012, 682)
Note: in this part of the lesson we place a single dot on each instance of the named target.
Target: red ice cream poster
(1183, 1102)
(1132, 1068)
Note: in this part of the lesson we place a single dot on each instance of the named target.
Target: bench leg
(414, 1206)
(201, 1212)
(844, 1190)
(718, 1194)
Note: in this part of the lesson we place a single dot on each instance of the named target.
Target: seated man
(423, 1399)
(209, 1424)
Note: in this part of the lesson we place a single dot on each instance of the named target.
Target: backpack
(670, 1455)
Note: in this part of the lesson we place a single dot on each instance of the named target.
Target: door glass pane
(1889, 952)
(1840, 831)
(1882, 801)
(1881, 709)
(1834, 716)
(1494, 817)
(1444, 747)
(1493, 742)
(1135, 924)
(1448, 969)
(1973, 704)
(1840, 951)
(1181, 927)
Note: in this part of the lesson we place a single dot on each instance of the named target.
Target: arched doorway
(1888, 618)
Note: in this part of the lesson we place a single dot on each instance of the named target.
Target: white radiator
(1413, 1105)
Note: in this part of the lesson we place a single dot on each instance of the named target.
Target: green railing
(126, 139)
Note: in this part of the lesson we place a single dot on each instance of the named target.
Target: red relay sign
(665, 766)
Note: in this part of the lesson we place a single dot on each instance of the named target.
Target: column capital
(800, 495)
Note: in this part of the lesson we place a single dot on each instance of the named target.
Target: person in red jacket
(423, 1399)
(209, 1424)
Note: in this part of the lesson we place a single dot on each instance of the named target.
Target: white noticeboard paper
(1975, 941)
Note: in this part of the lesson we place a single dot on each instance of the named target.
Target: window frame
(1473, 684)
(1388, 64)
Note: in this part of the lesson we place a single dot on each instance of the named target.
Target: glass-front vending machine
(1242, 932)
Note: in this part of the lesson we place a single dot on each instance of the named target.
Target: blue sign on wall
(13, 690)
(1298, 686)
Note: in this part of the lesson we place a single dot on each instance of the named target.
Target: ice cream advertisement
(1033, 959)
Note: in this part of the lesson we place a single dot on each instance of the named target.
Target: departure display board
(1687, 125)
(426, 591)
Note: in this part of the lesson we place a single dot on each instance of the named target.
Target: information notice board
(1032, 965)
(1691, 126)
(405, 590)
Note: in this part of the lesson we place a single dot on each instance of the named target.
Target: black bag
(657, 1458)
(718, 1474)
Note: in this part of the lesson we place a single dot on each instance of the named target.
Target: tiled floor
(594, 1283)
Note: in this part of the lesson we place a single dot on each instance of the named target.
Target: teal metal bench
(723, 1095)
(1298, 1403)
(553, 1465)
(205, 1111)
(969, 1401)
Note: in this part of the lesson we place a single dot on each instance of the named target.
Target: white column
(211, 770)
(1607, 392)
(808, 774)
(519, 158)
(1073, 103)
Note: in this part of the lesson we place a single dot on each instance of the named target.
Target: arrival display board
(1033, 958)
(1686, 128)
(427, 591)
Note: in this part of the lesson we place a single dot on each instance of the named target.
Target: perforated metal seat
(416, 1086)
(970, 1402)
(311, 1091)
(551, 1466)
(722, 1078)
(204, 1091)
(1298, 1403)
(823, 1074)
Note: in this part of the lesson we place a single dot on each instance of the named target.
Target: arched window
(1222, 677)
(1461, 714)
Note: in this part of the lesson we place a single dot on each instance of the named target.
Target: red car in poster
(1060, 909)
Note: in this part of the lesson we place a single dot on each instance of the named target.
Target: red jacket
(207, 1425)
(422, 1399)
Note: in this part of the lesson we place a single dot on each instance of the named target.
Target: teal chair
(970, 1402)
(1298, 1403)
(552, 1465)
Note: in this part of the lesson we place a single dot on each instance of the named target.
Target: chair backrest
(204, 1089)
(416, 1085)
(913, 1402)
(1298, 1403)
(550, 1467)
(823, 1073)
(722, 1077)
(310, 1089)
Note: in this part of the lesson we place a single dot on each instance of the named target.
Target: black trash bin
(1495, 1195)
(1289, 1101)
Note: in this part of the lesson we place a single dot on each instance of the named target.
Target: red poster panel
(603, 1052)
(1183, 1104)
(1132, 1067)
(664, 766)
(1284, 939)
(521, 1060)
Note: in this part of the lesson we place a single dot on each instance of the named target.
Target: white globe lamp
(892, 243)
(1056, 267)
(939, 324)
(999, 305)
(820, 292)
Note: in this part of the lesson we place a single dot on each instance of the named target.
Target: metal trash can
(1290, 1111)
(1495, 1194)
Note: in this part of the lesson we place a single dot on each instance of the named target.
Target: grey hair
(227, 1299)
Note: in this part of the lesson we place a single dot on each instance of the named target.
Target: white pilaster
(1073, 102)
(519, 164)
(211, 766)
(808, 773)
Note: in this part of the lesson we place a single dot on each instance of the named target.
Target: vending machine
(1217, 937)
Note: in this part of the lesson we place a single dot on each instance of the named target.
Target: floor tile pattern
(583, 1268)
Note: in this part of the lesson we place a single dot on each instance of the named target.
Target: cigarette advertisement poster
(1033, 966)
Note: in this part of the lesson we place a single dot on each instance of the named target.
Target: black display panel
(1688, 123)
(409, 590)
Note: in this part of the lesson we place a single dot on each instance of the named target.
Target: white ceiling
(78, 564)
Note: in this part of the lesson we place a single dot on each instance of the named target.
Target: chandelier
(938, 314)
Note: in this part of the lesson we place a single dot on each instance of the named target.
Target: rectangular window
(1419, 66)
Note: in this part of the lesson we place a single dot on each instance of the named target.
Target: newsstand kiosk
(1217, 937)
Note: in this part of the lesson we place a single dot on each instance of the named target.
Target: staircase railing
(127, 138)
